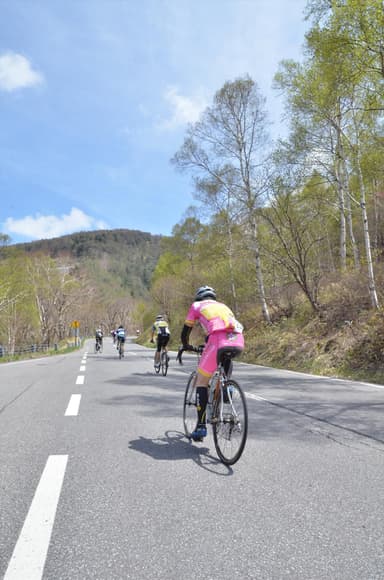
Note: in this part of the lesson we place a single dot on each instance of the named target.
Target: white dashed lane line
(30, 552)
(73, 406)
(31, 549)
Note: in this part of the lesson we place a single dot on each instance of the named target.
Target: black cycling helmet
(205, 292)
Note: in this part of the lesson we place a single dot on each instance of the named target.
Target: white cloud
(16, 72)
(50, 226)
(184, 109)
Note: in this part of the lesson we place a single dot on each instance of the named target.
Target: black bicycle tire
(190, 392)
(244, 430)
(164, 363)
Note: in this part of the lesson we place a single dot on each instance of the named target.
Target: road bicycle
(164, 362)
(98, 346)
(226, 409)
(120, 348)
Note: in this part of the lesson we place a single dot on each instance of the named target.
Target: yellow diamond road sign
(75, 324)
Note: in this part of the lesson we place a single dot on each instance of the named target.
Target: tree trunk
(231, 269)
(368, 253)
(259, 274)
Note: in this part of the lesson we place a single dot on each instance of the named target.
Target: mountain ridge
(115, 260)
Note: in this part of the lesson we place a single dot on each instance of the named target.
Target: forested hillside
(99, 278)
(119, 260)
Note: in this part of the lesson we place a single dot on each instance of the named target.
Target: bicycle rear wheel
(164, 362)
(189, 410)
(231, 424)
(121, 349)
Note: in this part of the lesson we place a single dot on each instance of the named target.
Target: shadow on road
(174, 446)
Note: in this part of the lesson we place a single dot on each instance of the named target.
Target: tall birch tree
(228, 145)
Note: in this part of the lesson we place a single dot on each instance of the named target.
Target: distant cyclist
(222, 330)
(120, 336)
(99, 338)
(160, 328)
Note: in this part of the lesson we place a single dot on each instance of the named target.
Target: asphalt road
(98, 482)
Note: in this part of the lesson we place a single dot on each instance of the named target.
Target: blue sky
(96, 95)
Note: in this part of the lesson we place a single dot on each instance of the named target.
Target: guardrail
(4, 351)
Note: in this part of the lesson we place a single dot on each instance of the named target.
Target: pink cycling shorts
(221, 339)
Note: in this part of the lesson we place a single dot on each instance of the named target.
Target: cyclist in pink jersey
(222, 330)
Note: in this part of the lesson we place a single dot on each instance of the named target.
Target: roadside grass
(323, 345)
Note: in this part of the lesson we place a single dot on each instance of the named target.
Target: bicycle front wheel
(164, 363)
(190, 410)
(230, 426)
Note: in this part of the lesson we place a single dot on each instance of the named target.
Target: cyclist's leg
(207, 366)
(165, 345)
(158, 349)
(201, 407)
(202, 397)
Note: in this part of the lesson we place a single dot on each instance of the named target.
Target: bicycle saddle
(228, 352)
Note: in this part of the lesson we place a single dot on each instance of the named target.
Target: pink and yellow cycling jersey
(213, 316)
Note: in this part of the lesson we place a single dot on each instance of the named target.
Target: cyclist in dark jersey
(99, 338)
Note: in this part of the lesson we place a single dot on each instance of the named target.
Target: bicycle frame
(216, 389)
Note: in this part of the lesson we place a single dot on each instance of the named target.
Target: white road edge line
(29, 555)
(73, 406)
(256, 397)
(80, 380)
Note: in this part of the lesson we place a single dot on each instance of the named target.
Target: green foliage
(94, 277)
(121, 261)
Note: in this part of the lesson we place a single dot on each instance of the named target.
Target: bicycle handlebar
(197, 349)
